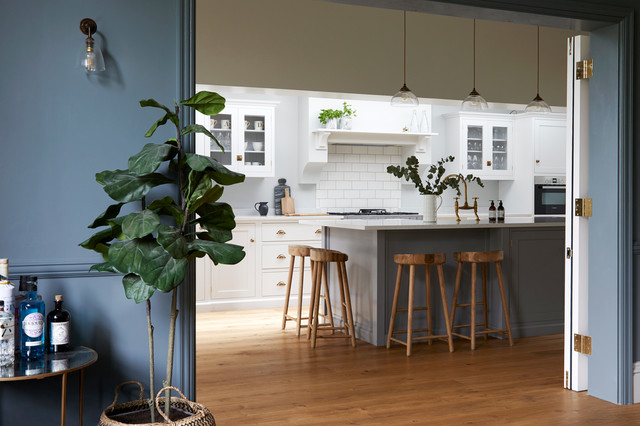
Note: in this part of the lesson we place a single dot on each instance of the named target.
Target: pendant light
(405, 97)
(474, 102)
(538, 104)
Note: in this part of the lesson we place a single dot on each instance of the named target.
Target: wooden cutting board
(287, 203)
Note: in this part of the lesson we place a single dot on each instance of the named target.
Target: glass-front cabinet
(245, 137)
(482, 144)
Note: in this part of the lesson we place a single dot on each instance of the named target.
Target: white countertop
(408, 224)
(274, 218)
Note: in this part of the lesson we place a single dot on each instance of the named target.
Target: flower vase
(431, 207)
(332, 123)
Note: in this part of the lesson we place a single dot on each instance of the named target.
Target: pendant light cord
(474, 54)
(404, 43)
(538, 79)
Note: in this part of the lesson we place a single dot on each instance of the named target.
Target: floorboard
(249, 371)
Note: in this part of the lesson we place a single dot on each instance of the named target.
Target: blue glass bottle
(32, 323)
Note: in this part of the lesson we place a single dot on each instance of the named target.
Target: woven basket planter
(197, 414)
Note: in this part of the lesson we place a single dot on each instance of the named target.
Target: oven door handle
(563, 188)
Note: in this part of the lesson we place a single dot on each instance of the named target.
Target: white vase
(431, 207)
(332, 123)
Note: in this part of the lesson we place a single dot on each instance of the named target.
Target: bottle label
(59, 333)
(6, 329)
(33, 324)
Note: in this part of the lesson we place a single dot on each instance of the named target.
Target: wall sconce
(90, 56)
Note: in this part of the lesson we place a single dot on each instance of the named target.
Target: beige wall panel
(320, 46)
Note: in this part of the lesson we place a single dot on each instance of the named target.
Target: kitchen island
(533, 269)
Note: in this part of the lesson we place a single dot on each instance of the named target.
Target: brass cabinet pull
(537, 161)
(488, 163)
(281, 256)
(280, 284)
(318, 231)
(252, 240)
(239, 158)
(280, 232)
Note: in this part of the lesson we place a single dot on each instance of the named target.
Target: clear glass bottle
(492, 212)
(32, 324)
(58, 322)
(20, 297)
(7, 335)
(500, 211)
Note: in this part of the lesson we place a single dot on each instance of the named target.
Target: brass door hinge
(584, 207)
(582, 344)
(569, 253)
(584, 69)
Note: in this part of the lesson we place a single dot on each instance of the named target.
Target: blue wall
(60, 127)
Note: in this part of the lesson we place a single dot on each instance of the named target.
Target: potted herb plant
(434, 183)
(348, 113)
(153, 245)
(329, 117)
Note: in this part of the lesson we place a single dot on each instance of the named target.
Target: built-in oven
(550, 195)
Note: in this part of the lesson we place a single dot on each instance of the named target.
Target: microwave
(550, 195)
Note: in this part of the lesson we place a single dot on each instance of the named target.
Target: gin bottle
(32, 324)
(6, 335)
(58, 327)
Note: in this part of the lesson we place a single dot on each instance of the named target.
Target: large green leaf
(111, 212)
(98, 241)
(167, 206)
(215, 216)
(150, 157)
(208, 103)
(209, 196)
(228, 254)
(162, 122)
(129, 255)
(218, 235)
(124, 186)
(140, 224)
(172, 240)
(155, 104)
(104, 267)
(213, 169)
(135, 288)
(197, 128)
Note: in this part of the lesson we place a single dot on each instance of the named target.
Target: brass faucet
(466, 205)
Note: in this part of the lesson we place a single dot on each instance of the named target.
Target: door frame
(554, 13)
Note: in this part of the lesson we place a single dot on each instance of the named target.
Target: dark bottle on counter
(500, 211)
(492, 212)
(58, 322)
(278, 194)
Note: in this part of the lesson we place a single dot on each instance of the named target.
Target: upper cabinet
(482, 144)
(549, 143)
(245, 130)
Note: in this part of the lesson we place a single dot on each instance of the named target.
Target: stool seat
(300, 250)
(412, 260)
(321, 258)
(481, 257)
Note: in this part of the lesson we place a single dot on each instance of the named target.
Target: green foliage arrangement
(153, 246)
(348, 111)
(435, 182)
(328, 114)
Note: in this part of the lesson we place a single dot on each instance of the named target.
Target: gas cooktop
(371, 213)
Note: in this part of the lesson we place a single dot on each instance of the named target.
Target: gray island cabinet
(533, 270)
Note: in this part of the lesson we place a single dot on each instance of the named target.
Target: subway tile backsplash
(356, 177)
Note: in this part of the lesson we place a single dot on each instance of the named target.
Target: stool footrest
(458, 305)
(413, 330)
(423, 308)
(468, 325)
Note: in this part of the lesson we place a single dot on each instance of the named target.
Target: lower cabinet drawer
(275, 283)
(290, 232)
(277, 255)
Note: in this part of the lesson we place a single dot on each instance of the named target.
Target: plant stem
(172, 335)
(152, 391)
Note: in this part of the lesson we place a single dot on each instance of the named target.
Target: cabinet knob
(281, 256)
(537, 161)
(281, 284)
(239, 158)
(252, 240)
(318, 231)
(488, 163)
(280, 232)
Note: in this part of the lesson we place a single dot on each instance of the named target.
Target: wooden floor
(249, 371)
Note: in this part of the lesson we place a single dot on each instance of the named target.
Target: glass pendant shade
(404, 98)
(537, 105)
(90, 57)
(474, 102)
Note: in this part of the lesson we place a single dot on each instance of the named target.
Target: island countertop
(412, 224)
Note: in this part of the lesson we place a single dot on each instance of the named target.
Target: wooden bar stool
(412, 260)
(482, 257)
(302, 252)
(321, 258)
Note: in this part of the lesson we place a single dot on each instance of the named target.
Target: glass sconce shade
(90, 57)
(405, 98)
(537, 105)
(474, 102)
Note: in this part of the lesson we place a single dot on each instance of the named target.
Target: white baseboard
(636, 382)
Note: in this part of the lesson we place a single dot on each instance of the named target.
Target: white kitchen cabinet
(550, 146)
(246, 132)
(259, 281)
(482, 144)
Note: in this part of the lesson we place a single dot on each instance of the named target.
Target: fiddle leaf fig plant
(435, 181)
(153, 245)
